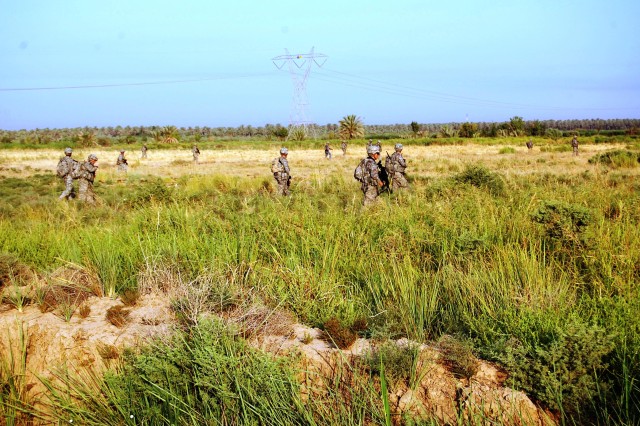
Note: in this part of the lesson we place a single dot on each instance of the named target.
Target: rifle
(384, 177)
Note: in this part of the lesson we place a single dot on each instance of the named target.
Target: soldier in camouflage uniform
(121, 162)
(144, 150)
(529, 145)
(574, 145)
(196, 153)
(399, 165)
(372, 183)
(283, 176)
(343, 145)
(86, 176)
(69, 165)
(327, 151)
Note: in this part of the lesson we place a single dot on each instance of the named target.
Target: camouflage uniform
(71, 165)
(283, 177)
(121, 162)
(574, 145)
(196, 153)
(86, 176)
(343, 145)
(399, 165)
(327, 151)
(371, 181)
(529, 144)
(144, 150)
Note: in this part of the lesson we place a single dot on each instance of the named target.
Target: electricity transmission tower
(299, 68)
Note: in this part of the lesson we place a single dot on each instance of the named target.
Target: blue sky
(208, 63)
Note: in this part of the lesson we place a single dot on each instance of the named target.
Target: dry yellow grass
(429, 161)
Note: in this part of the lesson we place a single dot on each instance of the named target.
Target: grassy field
(530, 258)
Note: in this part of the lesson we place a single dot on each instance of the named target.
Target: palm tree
(351, 127)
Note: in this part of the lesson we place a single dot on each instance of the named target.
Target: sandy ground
(422, 161)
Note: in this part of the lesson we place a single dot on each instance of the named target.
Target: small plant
(118, 315)
(130, 297)
(66, 310)
(399, 361)
(84, 310)
(108, 352)
(307, 338)
(458, 357)
(507, 150)
(343, 337)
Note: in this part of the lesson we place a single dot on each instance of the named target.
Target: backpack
(359, 173)
(389, 165)
(63, 168)
(276, 166)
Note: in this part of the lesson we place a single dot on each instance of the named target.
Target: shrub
(481, 177)
(507, 150)
(399, 361)
(457, 356)
(565, 373)
(563, 222)
(343, 337)
(617, 159)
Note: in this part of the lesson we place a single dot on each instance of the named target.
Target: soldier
(343, 146)
(281, 172)
(327, 151)
(196, 153)
(371, 181)
(144, 150)
(398, 166)
(86, 176)
(529, 144)
(121, 162)
(65, 170)
(574, 145)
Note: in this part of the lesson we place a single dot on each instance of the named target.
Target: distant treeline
(516, 126)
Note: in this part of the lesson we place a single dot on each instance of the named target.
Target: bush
(563, 222)
(481, 177)
(566, 373)
(617, 159)
(507, 150)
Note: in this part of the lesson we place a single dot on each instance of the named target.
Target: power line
(143, 83)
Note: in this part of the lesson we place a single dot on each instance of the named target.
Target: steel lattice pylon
(299, 69)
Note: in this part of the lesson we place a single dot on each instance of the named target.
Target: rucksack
(359, 173)
(389, 165)
(63, 168)
(276, 166)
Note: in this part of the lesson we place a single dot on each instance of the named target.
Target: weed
(457, 356)
(481, 177)
(84, 310)
(108, 352)
(118, 315)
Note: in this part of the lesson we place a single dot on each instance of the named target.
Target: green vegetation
(538, 273)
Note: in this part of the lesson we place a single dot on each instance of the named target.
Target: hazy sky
(208, 63)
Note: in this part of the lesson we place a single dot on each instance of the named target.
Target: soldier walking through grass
(281, 172)
(397, 169)
(327, 151)
(574, 145)
(196, 153)
(343, 146)
(86, 175)
(65, 170)
(121, 162)
(143, 151)
(529, 145)
(367, 173)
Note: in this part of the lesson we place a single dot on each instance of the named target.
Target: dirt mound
(39, 343)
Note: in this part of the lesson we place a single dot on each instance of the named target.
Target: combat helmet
(398, 146)
(373, 149)
(284, 150)
(68, 150)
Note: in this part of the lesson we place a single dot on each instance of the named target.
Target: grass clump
(118, 315)
(341, 336)
(482, 178)
(617, 159)
(457, 356)
(204, 376)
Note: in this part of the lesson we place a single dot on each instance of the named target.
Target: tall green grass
(475, 255)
